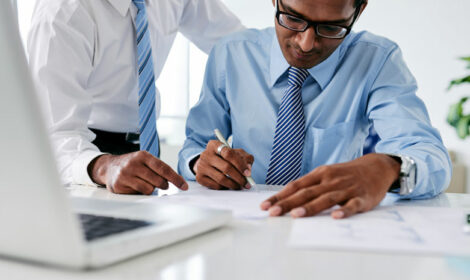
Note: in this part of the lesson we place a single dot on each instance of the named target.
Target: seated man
(300, 99)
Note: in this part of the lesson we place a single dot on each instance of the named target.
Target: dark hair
(358, 3)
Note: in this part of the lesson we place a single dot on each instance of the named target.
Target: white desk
(256, 249)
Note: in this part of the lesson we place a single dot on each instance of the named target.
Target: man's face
(306, 49)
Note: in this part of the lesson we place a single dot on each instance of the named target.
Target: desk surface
(256, 249)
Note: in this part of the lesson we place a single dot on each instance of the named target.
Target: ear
(363, 6)
(274, 4)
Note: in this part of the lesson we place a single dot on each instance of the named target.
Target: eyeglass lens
(298, 24)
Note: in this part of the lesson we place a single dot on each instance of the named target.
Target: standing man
(95, 63)
(299, 101)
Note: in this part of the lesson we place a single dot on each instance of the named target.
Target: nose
(306, 40)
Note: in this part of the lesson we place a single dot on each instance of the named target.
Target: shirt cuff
(189, 174)
(426, 185)
(183, 166)
(80, 168)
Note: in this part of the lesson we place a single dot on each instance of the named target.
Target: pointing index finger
(167, 173)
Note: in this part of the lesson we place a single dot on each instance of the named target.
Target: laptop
(38, 219)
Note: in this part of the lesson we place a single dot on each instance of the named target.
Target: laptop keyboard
(99, 226)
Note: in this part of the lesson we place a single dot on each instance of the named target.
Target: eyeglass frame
(315, 24)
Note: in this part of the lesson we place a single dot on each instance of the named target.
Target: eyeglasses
(325, 30)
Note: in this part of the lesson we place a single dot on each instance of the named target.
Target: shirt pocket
(335, 144)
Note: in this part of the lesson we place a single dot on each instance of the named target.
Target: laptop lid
(35, 215)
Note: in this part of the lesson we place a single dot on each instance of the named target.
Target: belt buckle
(132, 138)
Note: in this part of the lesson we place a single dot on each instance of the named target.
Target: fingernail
(298, 212)
(247, 172)
(275, 211)
(265, 205)
(247, 186)
(185, 187)
(337, 214)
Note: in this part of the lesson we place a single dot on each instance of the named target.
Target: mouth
(302, 55)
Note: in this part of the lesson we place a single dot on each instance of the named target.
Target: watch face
(405, 184)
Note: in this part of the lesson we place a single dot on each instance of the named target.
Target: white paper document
(404, 229)
(245, 204)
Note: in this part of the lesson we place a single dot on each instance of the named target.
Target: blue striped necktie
(286, 155)
(147, 119)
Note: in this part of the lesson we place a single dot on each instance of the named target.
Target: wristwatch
(406, 182)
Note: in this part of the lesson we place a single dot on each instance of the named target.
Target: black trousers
(116, 143)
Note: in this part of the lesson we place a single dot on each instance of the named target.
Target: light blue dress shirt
(365, 81)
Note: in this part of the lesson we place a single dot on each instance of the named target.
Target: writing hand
(227, 170)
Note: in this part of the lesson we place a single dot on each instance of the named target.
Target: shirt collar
(122, 6)
(322, 73)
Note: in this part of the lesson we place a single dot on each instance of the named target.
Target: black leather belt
(116, 136)
(115, 142)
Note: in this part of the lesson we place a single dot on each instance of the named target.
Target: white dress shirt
(82, 55)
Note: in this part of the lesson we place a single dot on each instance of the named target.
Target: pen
(221, 138)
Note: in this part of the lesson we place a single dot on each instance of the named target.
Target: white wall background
(432, 35)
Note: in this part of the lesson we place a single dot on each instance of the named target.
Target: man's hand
(358, 186)
(227, 170)
(138, 172)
